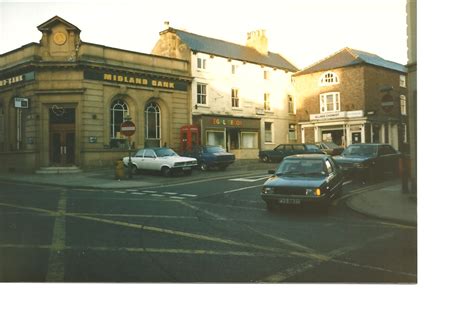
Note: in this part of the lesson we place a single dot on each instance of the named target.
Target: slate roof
(349, 57)
(225, 49)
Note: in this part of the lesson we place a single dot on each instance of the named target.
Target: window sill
(237, 109)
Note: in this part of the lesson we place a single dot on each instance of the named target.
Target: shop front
(237, 135)
(349, 127)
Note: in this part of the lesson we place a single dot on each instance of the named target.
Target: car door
(298, 149)
(279, 153)
(149, 160)
(391, 158)
(137, 159)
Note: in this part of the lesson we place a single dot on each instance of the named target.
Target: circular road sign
(127, 128)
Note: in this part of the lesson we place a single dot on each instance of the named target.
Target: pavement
(383, 200)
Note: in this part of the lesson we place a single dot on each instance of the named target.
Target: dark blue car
(211, 156)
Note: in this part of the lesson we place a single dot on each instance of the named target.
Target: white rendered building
(242, 96)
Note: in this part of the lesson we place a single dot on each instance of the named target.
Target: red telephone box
(189, 136)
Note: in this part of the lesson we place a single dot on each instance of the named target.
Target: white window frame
(292, 130)
(271, 131)
(323, 105)
(201, 63)
(328, 79)
(119, 105)
(235, 98)
(403, 105)
(403, 81)
(201, 97)
(152, 108)
(266, 102)
(291, 104)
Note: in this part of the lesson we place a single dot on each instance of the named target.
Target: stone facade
(74, 91)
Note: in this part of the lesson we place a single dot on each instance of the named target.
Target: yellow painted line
(58, 242)
(132, 215)
(149, 250)
(29, 208)
(300, 268)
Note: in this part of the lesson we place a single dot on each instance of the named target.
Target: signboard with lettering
(9, 81)
(336, 115)
(136, 79)
(231, 122)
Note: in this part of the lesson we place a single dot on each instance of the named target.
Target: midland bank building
(62, 101)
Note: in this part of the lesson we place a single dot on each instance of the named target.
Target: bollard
(119, 170)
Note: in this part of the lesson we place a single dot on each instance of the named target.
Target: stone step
(58, 170)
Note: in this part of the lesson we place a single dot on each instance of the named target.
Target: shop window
(249, 140)
(152, 125)
(329, 78)
(330, 102)
(266, 102)
(291, 105)
(403, 105)
(201, 93)
(268, 132)
(235, 98)
(118, 113)
(292, 132)
(215, 138)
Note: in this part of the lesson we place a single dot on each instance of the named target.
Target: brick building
(352, 97)
(62, 101)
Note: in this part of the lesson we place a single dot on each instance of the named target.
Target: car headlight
(267, 190)
(313, 192)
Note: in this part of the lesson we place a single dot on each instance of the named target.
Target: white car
(161, 159)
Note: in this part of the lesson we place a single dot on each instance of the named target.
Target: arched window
(152, 124)
(329, 78)
(118, 113)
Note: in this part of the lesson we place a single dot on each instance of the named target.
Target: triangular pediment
(48, 25)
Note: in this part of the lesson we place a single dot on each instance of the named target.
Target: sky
(303, 31)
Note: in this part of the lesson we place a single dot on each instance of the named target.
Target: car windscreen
(301, 167)
(360, 150)
(213, 149)
(312, 147)
(331, 145)
(165, 152)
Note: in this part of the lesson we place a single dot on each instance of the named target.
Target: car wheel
(134, 169)
(203, 166)
(266, 159)
(166, 171)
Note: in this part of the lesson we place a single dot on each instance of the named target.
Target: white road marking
(250, 179)
(239, 189)
(149, 191)
(188, 195)
(119, 192)
(177, 197)
(137, 193)
(157, 195)
(169, 193)
(347, 182)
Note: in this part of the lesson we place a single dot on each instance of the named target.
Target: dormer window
(329, 78)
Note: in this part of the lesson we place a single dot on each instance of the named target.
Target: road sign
(127, 128)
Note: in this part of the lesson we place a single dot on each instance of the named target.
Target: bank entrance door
(62, 136)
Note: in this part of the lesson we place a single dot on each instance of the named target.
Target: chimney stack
(167, 25)
(258, 40)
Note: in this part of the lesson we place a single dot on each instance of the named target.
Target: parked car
(162, 159)
(305, 179)
(368, 160)
(211, 156)
(330, 148)
(284, 150)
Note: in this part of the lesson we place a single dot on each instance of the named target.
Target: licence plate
(186, 168)
(289, 201)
